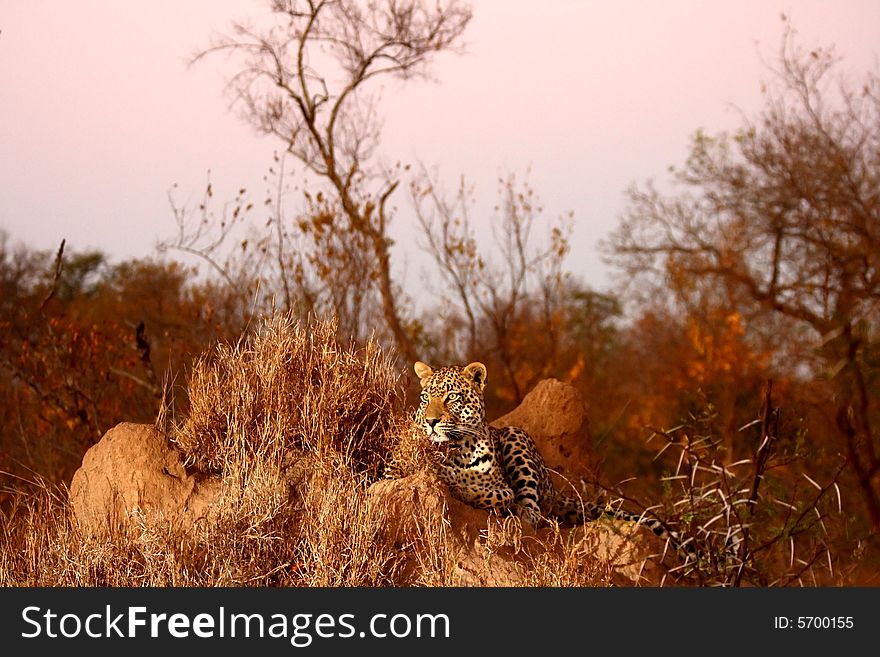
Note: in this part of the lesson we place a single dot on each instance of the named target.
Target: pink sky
(99, 115)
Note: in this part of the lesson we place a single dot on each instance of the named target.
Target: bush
(291, 387)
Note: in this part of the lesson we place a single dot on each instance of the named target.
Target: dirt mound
(133, 474)
(482, 549)
(135, 478)
(555, 415)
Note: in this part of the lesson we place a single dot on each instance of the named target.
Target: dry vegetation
(295, 425)
(758, 263)
(291, 387)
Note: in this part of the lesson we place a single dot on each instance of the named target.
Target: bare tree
(508, 301)
(204, 231)
(786, 215)
(304, 264)
(307, 80)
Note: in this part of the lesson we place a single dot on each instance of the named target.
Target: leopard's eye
(452, 397)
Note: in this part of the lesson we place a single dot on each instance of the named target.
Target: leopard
(496, 468)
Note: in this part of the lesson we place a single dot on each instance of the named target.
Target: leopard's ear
(423, 371)
(476, 372)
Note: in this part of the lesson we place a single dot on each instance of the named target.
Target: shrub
(289, 387)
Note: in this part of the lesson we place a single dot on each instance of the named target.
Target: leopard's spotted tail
(575, 512)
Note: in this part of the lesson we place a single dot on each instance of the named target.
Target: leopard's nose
(433, 422)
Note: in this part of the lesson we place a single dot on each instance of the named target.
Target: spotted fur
(489, 467)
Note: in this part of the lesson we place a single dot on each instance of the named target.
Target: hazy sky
(99, 114)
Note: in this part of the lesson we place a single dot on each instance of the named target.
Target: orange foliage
(720, 348)
(88, 349)
(672, 366)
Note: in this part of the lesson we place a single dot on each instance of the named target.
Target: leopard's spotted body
(490, 467)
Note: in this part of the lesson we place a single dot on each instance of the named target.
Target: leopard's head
(451, 404)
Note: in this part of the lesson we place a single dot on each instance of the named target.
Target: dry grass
(342, 545)
(295, 425)
(291, 387)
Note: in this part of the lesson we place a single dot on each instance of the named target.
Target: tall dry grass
(295, 425)
(289, 387)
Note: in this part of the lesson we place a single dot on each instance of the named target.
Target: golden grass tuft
(290, 387)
